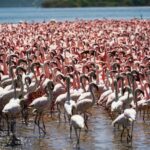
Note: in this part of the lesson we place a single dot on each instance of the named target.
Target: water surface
(14, 15)
(101, 135)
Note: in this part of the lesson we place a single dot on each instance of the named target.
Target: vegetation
(94, 3)
(72, 3)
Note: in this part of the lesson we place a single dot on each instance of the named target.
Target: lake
(14, 15)
(101, 134)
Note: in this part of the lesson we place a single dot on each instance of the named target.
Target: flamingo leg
(118, 126)
(111, 115)
(65, 116)
(79, 136)
(69, 117)
(22, 116)
(86, 119)
(70, 131)
(13, 140)
(129, 137)
(35, 121)
(144, 115)
(78, 142)
(12, 126)
(38, 123)
(59, 112)
(132, 130)
(44, 128)
(1, 122)
(7, 120)
(140, 111)
(52, 108)
(26, 115)
(122, 133)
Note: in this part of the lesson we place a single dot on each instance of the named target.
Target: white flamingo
(78, 123)
(84, 105)
(112, 97)
(41, 104)
(69, 103)
(74, 94)
(12, 109)
(127, 117)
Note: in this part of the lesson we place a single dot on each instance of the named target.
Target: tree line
(94, 3)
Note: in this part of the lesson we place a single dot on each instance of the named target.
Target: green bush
(94, 3)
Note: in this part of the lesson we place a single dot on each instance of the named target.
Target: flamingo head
(20, 61)
(50, 85)
(127, 88)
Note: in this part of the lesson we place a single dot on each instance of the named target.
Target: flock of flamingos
(68, 67)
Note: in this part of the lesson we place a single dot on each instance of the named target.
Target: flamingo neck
(83, 86)
(29, 65)
(133, 84)
(47, 73)
(92, 94)
(122, 86)
(36, 80)
(22, 88)
(78, 81)
(15, 93)
(5, 68)
(148, 78)
(68, 92)
(97, 74)
(74, 83)
(146, 91)
(50, 95)
(135, 99)
(38, 71)
(63, 68)
(27, 87)
(116, 92)
(103, 75)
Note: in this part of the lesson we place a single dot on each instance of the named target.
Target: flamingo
(144, 103)
(41, 104)
(6, 79)
(11, 110)
(9, 81)
(58, 90)
(78, 123)
(84, 105)
(104, 96)
(124, 121)
(115, 95)
(81, 93)
(127, 117)
(86, 94)
(5, 96)
(74, 94)
(69, 103)
(123, 101)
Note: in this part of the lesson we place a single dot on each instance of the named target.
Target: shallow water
(101, 135)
